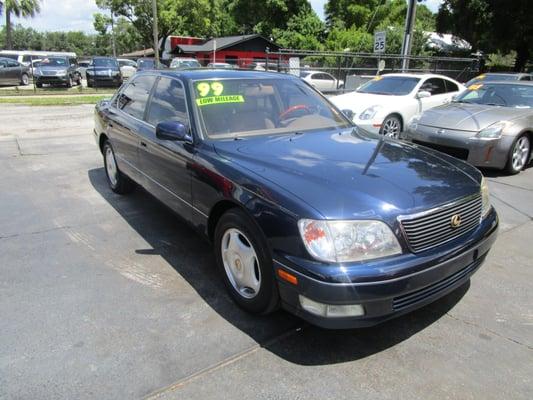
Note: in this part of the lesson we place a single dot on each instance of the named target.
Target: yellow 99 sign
(204, 88)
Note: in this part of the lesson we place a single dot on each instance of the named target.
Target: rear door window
(434, 86)
(133, 99)
(168, 103)
(450, 86)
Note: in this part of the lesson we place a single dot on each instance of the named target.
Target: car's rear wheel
(518, 154)
(245, 262)
(118, 182)
(391, 127)
(25, 80)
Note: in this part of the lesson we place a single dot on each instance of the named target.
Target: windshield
(105, 62)
(506, 95)
(238, 107)
(390, 85)
(54, 62)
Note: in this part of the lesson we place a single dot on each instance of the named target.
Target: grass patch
(54, 101)
(56, 91)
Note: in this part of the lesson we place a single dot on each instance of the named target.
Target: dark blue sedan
(305, 211)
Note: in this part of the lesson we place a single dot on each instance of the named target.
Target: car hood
(351, 174)
(358, 102)
(53, 68)
(469, 117)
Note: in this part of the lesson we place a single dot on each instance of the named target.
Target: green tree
(304, 31)
(174, 16)
(18, 8)
(263, 16)
(485, 24)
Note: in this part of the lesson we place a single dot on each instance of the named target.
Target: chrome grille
(433, 228)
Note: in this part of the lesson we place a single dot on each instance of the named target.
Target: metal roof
(220, 43)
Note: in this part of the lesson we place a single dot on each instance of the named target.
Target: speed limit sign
(379, 42)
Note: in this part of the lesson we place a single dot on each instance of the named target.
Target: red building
(238, 50)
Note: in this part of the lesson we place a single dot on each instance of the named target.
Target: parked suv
(104, 71)
(13, 73)
(57, 71)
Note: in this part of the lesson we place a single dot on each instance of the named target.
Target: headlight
(369, 113)
(347, 241)
(485, 198)
(494, 131)
(37, 72)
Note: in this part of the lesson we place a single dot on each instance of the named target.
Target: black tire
(267, 298)
(24, 80)
(391, 127)
(511, 168)
(39, 85)
(121, 184)
(89, 84)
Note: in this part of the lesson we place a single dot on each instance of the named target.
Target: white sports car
(386, 103)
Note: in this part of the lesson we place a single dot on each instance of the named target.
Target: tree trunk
(9, 41)
(522, 56)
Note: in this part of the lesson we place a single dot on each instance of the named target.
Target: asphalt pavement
(113, 297)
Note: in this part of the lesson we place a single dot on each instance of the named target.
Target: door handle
(143, 144)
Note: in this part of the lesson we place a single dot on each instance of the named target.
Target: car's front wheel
(518, 155)
(25, 80)
(118, 182)
(244, 260)
(391, 127)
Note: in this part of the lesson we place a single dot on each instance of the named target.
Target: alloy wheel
(241, 263)
(391, 128)
(111, 166)
(520, 153)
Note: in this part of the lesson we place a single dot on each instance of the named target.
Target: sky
(67, 15)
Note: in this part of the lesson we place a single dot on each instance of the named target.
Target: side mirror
(348, 114)
(423, 94)
(172, 130)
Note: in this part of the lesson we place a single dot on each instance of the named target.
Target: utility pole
(408, 34)
(156, 34)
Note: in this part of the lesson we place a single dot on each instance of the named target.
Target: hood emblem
(455, 221)
(441, 131)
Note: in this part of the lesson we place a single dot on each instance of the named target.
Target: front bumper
(489, 153)
(386, 297)
(368, 125)
(52, 79)
(104, 80)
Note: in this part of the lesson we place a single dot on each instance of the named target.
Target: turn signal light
(287, 277)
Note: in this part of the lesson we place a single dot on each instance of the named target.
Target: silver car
(488, 125)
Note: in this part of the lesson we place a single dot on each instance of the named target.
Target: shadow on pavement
(191, 257)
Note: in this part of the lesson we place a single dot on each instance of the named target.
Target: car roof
(202, 73)
(504, 73)
(529, 83)
(417, 75)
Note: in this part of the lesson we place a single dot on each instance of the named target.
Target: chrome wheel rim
(25, 79)
(520, 153)
(391, 128)
(111, 166)
(241, 263)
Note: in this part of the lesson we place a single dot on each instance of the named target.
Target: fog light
(331, 310)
